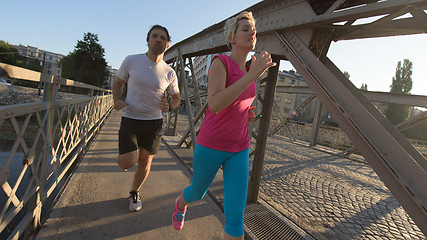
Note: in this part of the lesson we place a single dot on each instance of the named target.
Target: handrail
(43, 141)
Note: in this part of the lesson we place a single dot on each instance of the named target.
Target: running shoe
(135, 203)
(178, 216)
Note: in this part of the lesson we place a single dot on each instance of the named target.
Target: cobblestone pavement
(331, 197)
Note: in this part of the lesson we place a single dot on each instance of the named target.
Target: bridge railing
(41, 142)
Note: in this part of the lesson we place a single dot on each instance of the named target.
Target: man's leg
(145, 159)
(128, 145)
(127, 160)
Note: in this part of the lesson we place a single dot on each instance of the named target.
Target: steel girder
(301, 32)
(320, 20)
(397, 163)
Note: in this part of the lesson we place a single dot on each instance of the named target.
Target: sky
(121, 26)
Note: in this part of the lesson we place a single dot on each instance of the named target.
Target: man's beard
(157, 49)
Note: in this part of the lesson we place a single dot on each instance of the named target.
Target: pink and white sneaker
(178, 215)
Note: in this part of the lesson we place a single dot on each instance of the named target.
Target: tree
(402, 83)
(9, 53)
(346, 74)
(364, 87)
(418, 131)
(87, 63)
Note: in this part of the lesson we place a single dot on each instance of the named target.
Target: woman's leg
(236, 175)
(206, 163)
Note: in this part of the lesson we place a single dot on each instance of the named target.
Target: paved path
(95, 206)
(331, 197)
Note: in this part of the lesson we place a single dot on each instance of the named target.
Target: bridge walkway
(94, 205)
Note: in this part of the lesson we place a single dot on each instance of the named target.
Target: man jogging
(147, 77)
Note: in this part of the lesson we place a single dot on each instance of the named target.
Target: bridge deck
(95, 206)
(330, 197)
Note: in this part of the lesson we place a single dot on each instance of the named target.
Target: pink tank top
(228, 129)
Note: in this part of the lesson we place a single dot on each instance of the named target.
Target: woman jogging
(223, 139)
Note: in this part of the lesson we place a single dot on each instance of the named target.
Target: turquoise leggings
(206, 162)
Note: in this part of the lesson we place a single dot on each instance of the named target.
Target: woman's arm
(220, 97)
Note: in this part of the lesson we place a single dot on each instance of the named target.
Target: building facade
(284, 103)
(201, 66)
(111, 76)
(49, 60)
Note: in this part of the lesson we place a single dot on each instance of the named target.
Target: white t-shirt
(146, 83)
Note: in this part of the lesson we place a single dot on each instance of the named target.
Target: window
(281, 79)
(291, 81)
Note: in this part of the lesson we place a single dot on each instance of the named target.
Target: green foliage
(69, 66)
(25, 83)
(364, 87)
(397, 113)
(87, 63)
(402, 83)
(32, 64)
(417, 131)
(346, 74)
(9, 53)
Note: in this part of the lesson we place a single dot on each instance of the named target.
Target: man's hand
(164, 105)
(120, 104)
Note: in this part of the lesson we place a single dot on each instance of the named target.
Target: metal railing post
(270, 88)
(316, 123)
(51, 86)
(187, 100)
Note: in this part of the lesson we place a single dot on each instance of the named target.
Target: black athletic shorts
(134, 134)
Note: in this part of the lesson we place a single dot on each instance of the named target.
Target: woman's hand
(251, 114)
(260, 63)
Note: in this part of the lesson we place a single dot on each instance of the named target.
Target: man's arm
(118, 85)
(176, 100)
